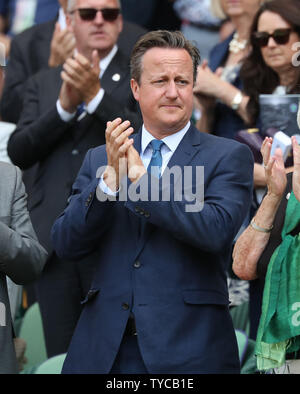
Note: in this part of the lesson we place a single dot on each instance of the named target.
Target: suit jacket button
(125, 306)
(137, 209)
(137, 264)
(147, 215)
(75, 152)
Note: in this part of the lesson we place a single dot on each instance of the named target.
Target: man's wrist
(65, 115)
(54, 61)
(93, 103)
(110, 178)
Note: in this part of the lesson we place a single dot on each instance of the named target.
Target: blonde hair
(217, 9)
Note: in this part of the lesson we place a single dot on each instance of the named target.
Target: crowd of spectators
(63, 84)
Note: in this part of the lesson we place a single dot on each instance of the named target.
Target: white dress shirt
(171, 143)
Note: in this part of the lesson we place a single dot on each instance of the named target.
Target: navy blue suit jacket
(178, 290)
(227, 122)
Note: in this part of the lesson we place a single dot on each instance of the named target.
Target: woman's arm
(251, 244)
(211, 84)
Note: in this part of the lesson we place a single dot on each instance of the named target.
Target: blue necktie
(155, 164)
(80, 110)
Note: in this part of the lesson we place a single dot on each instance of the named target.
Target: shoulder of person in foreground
(21, 256)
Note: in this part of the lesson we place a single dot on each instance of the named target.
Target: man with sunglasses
(44, 46)
(65, 114)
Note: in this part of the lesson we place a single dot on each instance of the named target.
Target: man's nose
(98, 18)
(171, 90)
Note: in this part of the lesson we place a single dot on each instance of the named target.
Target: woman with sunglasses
(269, 68)
(218, 93)
(218, 87)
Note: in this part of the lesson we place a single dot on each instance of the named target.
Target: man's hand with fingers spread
(82, 75)
(274, 169)
(117, 144)
(80, 81)
(62, 46)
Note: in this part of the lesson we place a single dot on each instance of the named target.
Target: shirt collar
(62, 19)
(172, 141)
(107, 59)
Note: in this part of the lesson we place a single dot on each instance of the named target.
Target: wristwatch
(236, 101)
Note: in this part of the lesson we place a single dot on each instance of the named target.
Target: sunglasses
(280, 36)
(89, 14)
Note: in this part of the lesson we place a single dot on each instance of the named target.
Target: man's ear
(135, 89)
(120, 23)
(69, 22)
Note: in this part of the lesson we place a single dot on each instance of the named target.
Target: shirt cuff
(103, 186)
(64, 115)
(93, 104)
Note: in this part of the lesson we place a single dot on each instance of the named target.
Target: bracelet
(261, 229)
(238, 98)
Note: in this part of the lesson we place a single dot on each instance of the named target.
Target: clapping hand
(117, 143)
(62, 46)
(274, 169)
(80, 81)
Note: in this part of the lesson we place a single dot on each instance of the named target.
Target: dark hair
(257, 77)
(161, 39)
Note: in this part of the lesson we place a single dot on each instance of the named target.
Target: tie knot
(156, 145)
(156, 160)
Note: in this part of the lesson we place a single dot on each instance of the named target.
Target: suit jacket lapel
(186, 150)
(116, 71)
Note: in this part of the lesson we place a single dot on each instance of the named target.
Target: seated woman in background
(218, 87)
(269, 68)
(254, 249)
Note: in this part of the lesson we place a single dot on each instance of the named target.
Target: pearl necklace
(235, 45)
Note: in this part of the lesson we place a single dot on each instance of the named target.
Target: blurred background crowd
(247, 49)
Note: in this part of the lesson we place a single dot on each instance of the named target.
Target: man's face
(165, 92)
(98, 33)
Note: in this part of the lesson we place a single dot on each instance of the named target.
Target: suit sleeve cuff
(105, 189)
(93, 104)
(64, 115)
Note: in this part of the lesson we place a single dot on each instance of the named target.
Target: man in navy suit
(158, 302)
(64, 114)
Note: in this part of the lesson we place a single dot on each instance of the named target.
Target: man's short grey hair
(161, 39)
(72, 5)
